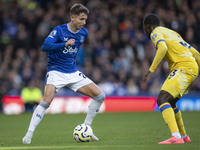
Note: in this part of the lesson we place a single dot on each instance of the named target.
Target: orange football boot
(187, 139)
(172, 140)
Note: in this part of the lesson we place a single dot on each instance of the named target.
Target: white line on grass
(59, 147)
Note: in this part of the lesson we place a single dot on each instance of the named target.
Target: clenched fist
(70, 42)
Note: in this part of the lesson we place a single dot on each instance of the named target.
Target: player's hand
(70, 42)
(145, 78)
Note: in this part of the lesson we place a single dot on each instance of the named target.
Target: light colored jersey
(178, 54)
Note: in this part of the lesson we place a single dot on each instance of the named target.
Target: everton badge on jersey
(82, 39)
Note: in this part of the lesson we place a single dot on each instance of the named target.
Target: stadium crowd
(116, 54)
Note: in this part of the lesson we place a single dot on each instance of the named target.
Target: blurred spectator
(116, 52)
(132, 87)
(31, 95)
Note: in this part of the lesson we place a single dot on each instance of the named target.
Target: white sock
(93, 109)
(37, 117)
(177, 135)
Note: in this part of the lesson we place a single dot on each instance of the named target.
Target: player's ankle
(176, 134)
(29, 133)
(184, 136)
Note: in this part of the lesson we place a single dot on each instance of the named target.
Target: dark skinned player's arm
(160, 54)
(196, 55)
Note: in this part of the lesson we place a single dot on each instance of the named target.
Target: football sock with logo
(179, 122)
(169, 117)
(93, 108)
(37, 117)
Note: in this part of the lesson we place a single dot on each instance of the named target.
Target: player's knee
(159, 101)
(173, 104)
(100, 97)
(164, 97)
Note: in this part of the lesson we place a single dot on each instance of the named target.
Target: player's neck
(72, 27)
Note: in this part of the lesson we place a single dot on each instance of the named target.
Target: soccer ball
(83, 133)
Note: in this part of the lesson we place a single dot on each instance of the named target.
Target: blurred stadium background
(116, 54)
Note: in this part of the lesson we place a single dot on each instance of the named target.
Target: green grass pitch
(116, 131)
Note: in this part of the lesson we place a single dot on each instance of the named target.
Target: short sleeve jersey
(178, 54)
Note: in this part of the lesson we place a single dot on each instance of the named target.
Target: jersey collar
(71, 30)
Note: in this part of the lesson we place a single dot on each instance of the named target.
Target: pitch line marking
(56, 147)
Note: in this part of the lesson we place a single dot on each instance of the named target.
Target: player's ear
(149, 28)
(72, 17)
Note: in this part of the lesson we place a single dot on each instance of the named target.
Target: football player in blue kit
(62, 45)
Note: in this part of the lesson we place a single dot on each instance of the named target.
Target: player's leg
(163, 101)
(181, 81)
(80, 83)
(179, 120)
(98, 97)
(38, 113)
(176, 84)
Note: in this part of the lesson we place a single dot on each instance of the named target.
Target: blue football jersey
(61, 58)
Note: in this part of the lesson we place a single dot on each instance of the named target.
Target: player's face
(79, 20)
(147, 30)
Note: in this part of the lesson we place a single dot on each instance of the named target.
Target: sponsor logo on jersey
(69, 49)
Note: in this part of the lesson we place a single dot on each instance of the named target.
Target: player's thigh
(49, 93)
(177, 82)
(58, 79)
(82, 84)
(91, 90)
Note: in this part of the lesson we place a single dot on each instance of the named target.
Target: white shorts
(73, 81)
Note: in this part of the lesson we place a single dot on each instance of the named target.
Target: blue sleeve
(49, 46)
(51, 43)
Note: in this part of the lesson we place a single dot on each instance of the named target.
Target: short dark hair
(152, 19)
(77, 8)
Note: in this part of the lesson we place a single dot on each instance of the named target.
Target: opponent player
(184, 62)
(62, 45)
